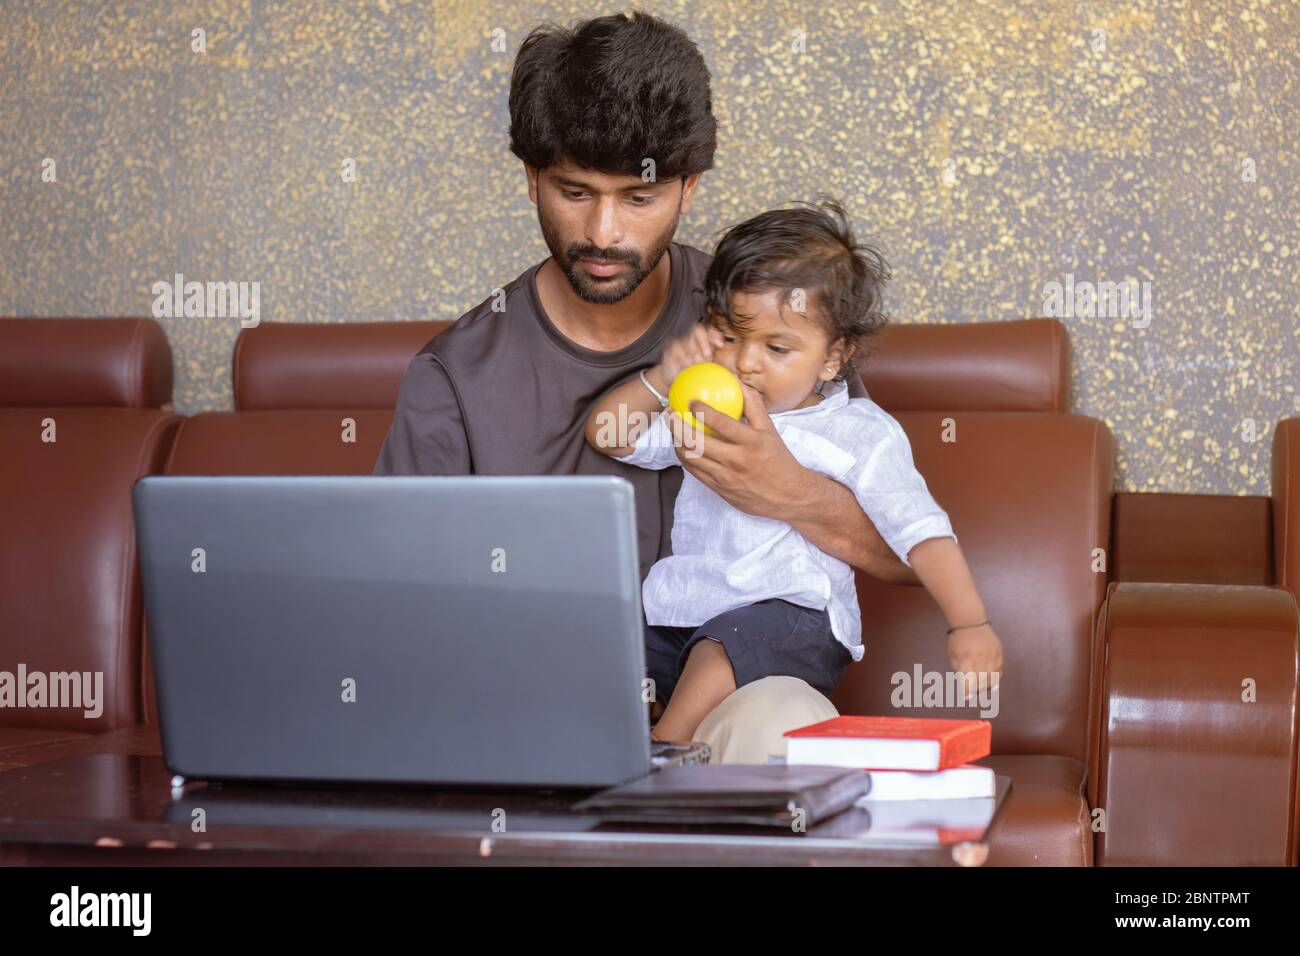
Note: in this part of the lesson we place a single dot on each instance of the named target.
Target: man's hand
(748, 465)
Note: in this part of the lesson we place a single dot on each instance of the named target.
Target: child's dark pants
(764, 639)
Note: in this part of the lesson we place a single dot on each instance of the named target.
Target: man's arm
(829, 516)
(428, 434)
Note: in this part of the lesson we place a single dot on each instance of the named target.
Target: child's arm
(895, 497)
(941, 566)
(623, 413)
(619, 416)
(974, 646)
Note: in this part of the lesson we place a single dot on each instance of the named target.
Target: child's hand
(688, 350)
(977, 650)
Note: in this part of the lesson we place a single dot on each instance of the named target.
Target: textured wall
(992, 147)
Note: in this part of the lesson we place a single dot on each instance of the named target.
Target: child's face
(783, 353)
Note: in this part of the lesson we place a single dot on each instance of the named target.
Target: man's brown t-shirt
(506, 393)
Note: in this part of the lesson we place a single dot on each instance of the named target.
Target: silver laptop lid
(401, 629)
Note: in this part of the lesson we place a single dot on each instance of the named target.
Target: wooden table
(109, 800)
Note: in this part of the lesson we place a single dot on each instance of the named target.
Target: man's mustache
(604, 255)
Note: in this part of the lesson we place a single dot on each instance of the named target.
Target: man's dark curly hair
(810, 248)
(610, 93)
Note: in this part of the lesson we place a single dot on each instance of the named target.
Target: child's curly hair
(809, 248)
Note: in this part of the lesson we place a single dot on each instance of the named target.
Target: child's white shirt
(724, 558)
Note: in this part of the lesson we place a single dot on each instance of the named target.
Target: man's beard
(616, 288)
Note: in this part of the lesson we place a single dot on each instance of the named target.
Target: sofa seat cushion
(1045, 821)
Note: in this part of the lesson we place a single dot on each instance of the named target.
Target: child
(791, 299)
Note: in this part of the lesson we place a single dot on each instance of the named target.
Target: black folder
(732, 794)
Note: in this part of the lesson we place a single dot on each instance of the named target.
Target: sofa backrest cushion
(110, 363)
(351, 365)
(1020, 366)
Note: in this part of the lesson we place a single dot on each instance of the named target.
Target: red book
(890, 743)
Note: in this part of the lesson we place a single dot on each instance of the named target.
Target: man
(613, 122)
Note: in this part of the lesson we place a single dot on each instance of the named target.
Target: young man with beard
(613, 122)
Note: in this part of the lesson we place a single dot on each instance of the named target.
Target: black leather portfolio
(732, 794)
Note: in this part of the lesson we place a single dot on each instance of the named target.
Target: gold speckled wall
(992, 147)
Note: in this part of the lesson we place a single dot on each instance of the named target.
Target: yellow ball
(710, 383)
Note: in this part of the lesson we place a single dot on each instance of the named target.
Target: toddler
(791, 299)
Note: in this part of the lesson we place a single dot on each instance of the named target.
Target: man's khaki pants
(747, 727)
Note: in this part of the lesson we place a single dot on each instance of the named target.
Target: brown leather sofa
(1121, 717)
(1028, 487)
(296, 388)
(1100, 685)
(1195, 755)
(69, 586)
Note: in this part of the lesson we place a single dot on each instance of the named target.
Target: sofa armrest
(1193, 742)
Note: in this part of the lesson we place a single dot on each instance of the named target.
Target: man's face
(606, 232)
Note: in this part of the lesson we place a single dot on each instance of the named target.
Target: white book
(956, 783)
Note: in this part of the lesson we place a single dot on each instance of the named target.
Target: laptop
(405, 630)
